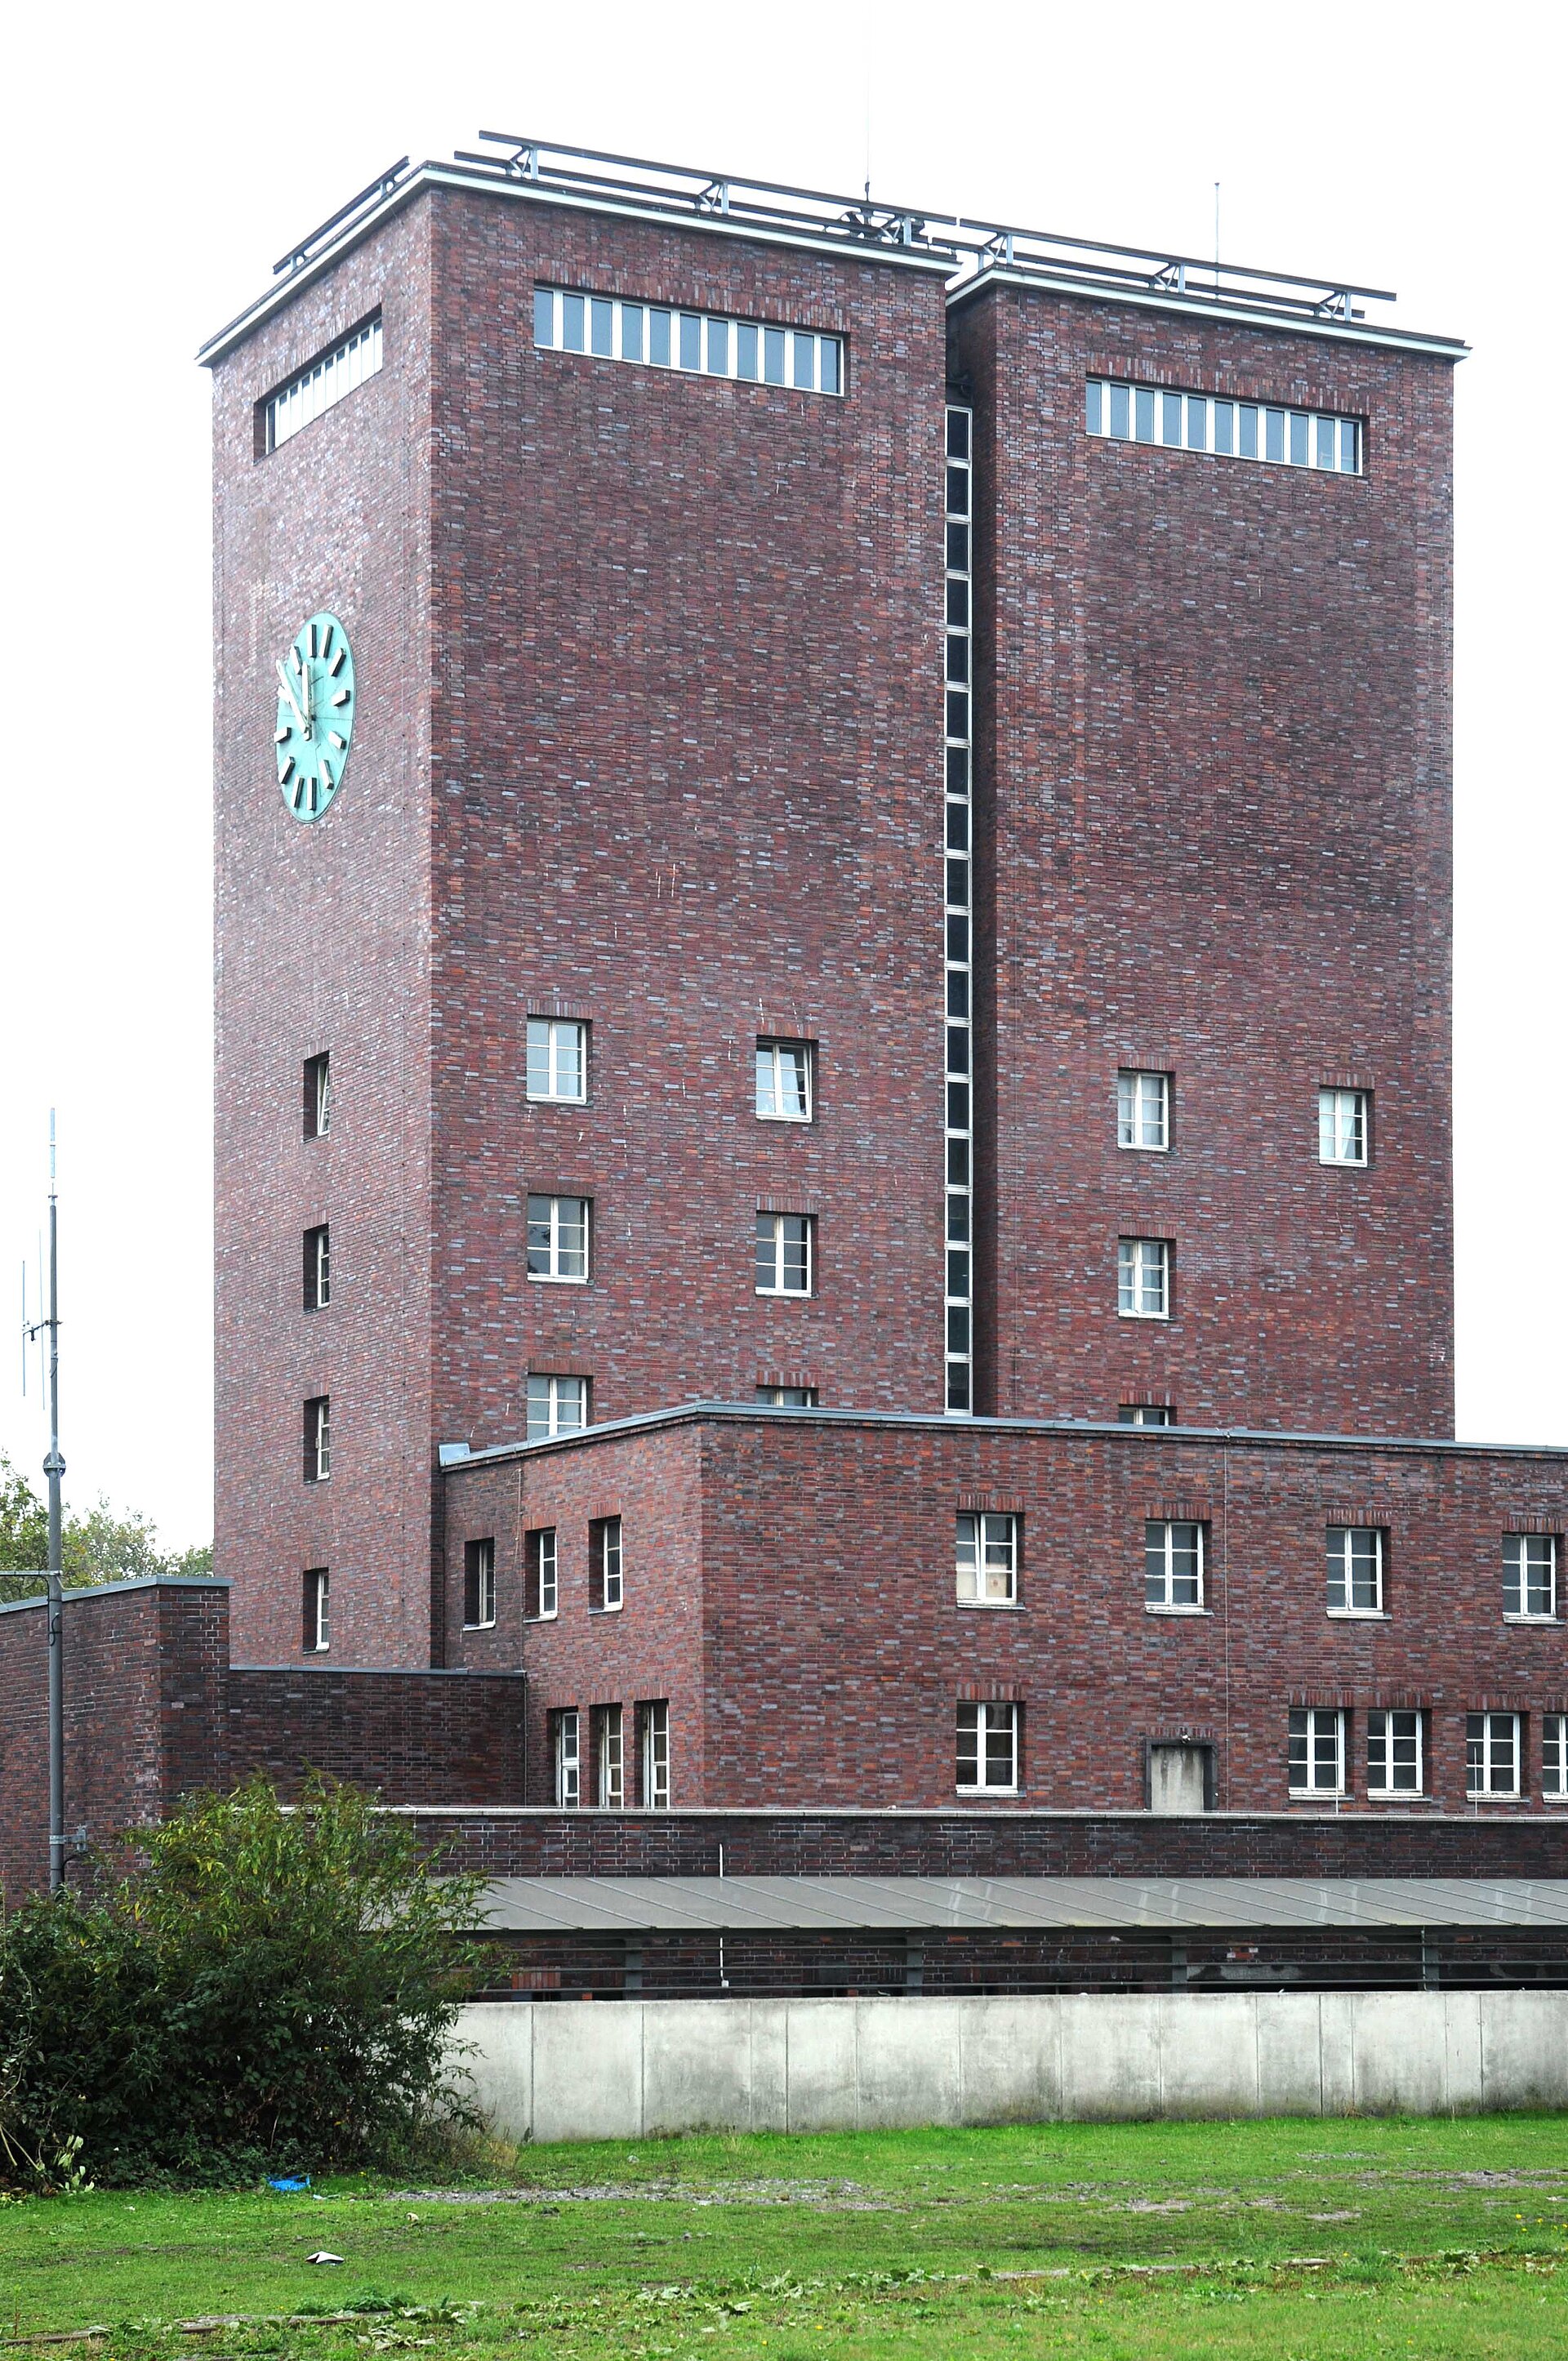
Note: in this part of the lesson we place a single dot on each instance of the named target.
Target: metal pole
(54, 1468)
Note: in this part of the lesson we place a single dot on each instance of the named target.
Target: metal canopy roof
(736, 1906)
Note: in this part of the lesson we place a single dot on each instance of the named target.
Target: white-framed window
(557, 1059)
(480, 1585)
(783, 1080)
(318, 1610)
(318, 1095)
(1143, 1109)
(610, 1788)
(1529, 1576)
(318, 1267)
(569, 1759)
(540, 1586)
(1395, 1752)
(987, 1555)
(1173, 1562)
(1554, 1754)
(605, 1562)
(988, 1750)
(700, 344)
(957, 912)
(558, 1238)
(318, 1439)
(1145, 1414)
(1143, 1279)
(1493, 1758)
(322, 384)
(1355, 1570)
(788, 1396)
(1271, 431)
(1317, 1751)
(1344, 1127)
(784, 1254)
(654, 1714)
(555, 1406)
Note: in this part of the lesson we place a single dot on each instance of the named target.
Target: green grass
(1337, 2239)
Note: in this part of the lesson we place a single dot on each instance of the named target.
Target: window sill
(786, 1294)
(802, 1120)
(1358, 1615)
(991, 1606)
(1198, 1613)
(1345, 1163)
(1320, 1794)
(1398, 1795)
(1495, 1795)
(1139, 1148)
(609, 1611)
(1157, 1317)
(1547, 1623)
(554, 1278)
(551, 1098)
(486, 1627)
(553, 1617)
(988, 1791)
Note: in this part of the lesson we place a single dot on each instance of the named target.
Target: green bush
(262, 1987)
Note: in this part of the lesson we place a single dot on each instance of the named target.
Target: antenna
(1216, 237)
(54, 1468)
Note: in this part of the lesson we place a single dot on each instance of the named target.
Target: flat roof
(736, 1906)
(969, 254)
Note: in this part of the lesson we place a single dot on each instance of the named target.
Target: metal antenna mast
(54, 1468)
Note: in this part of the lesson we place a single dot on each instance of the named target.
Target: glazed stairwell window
(987, 1559)
(480, 1585)
(558, 1238)
(318, 1612)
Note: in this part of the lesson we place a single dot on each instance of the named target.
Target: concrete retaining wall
(631, 2070)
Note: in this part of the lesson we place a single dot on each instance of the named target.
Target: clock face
(315, 716)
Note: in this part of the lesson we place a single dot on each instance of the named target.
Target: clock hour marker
(326, 641)
(327, 780)
(342, 697)
(298, 797)
(278, 736)
(341, 744)
(284, 773)
(337, 662)
(313, 639)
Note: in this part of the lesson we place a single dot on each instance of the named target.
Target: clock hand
(288, 693)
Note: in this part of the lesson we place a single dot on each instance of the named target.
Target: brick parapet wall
(414, 1736)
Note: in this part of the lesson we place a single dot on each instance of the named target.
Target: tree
(100, 1546)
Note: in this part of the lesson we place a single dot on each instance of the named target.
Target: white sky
(156, 161)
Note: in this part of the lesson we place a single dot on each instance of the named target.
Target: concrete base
(632, 2069)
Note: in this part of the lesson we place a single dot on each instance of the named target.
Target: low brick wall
(413, 1736)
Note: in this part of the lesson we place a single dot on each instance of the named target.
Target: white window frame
(1141, 1262)
(788, 1396)
(773, 1051)
(318, 1439)
(318, 1085)
(1341, 1573)
(547, 1037)
(1145, 1414)
(959, 1307)
(552, 1396)
(569, 1759)
(1554, 1756)
(1386, 1741)
(1344, 1128)
(989, 1717)
(1518, 1583)
(1318, 1721)
(985, 1550)
(1484, 1748)
(610, 1565)
(562, 1217)
(695, 344)
(777, 1221)
(322, 385)
(609, 1759)
(541, 1574)
(318, 1266)
(319, 1609)
(1165, 1602)
(1142, 1108)
(656, 1717)
(1273, 434)
(484, 1586)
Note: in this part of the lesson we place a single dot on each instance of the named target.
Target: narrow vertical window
(605, 1558)
(318, 1438)
(655, 1719)
(610, 1793)
(1317, 1752)
(958, 919)
(480, 1585)
(1355, 1570)
(318, 1611)
(1529, 1576)
(318, 1267)
(988, 1750)
(568, 1762)
(1554, 1755)
(318, 1095)
(540, 1591)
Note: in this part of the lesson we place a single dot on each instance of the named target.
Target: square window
(1355, 1570)
(1492, 1754)
(788, 1396)
(785, 1253)
(1143, 1110)
(1530, 1576)
(1173, 1564)
(318, 1439)
(1317, 1751)
(1143, 1275)
(610, 1793)
(480, 1585)
(987, 1559)
(783, 1080)
(1145, 1414)
(541, 1589)
(557, 1059)
(1395, 1765)
(318, 1616)
(568, 1759)
(654, 1716)
(988, 1750)
(557, 1406)
(605, 1562)
(318, 1268)
(558, 1238)
(1554, 1754)
(318, 1095)
(1344, 1127)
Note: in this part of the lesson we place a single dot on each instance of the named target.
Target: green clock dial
(315, 716)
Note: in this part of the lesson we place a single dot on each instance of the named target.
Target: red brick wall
(1214, 781)
(414, 1736)
(813, 1631)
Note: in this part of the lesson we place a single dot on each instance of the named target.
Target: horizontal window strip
(700, 343)
(1274, 433)
(326, 382)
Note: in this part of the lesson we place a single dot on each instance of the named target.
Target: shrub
(260, 1986)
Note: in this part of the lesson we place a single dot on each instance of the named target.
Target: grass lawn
(1334, 2238)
